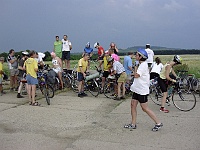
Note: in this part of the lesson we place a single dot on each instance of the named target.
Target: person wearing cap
(140, 89)
(22, 73)
(100, 53)
(119, 72)
(31, 67)
(58, 47)
(113, 55)
(1, 73)
(57, 63)
(166, 79)
(150, 55)
(88, 50)
(13, 67)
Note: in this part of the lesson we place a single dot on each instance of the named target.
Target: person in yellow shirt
(1, 72)
(31, 68)
(106, 69)
(81, 74)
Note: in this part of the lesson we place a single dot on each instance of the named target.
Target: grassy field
(191, 61)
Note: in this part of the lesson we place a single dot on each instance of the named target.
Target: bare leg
(60, 78)
(123, 89)
(68, 64)
(134, 111)
(33, 89)
(119, 89)
(151, 114)
(11, 81)
(163, 101)
(29, 93)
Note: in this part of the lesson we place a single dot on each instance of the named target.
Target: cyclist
(150, 55)
(81, 74)
(140, 89)
(57, 67)
(121, 76)
(165, 79)
(106, 69)
(100, 53)
(89, 51)
(156, 68)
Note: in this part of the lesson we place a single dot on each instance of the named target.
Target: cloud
(173, 6)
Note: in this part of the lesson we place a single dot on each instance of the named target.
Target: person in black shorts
(140, 89)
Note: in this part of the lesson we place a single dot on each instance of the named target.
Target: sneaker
(19, 96)
(130, 126)
(80, 95)
(117, 98)
(84, 94)
(164, 110)
(157, 127)
(123, 97)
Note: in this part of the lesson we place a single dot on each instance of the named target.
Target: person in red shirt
(100, 53)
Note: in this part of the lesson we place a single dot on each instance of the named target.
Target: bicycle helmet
(143, 53)
(177, 59)
(110, 59)
(24, 53)
(87, 45)
(96, 44)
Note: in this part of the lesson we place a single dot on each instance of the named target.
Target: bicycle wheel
(184, 100)
(45, 91)
(50, 91)
(93, 87)
(155, 95)
(74, 85)
(66, 82)
(109, 89)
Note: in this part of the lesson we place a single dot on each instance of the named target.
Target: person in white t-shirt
(140, 89)
(156, 68)
(150, 55)
(66, 48)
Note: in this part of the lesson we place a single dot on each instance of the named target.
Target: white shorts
(58, 69)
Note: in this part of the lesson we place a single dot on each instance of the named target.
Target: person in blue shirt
(88, 50)
(128, 65)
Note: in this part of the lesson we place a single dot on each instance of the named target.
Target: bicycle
(182, 99)
(46, 89)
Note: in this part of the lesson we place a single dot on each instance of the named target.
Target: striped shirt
(118, 67)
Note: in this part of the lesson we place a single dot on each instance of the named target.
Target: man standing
(13, 67)
(150, 55)
(58, 47)
(100, 53)
(66, 48)
(22, 73)
(128, 65)
(81, 74)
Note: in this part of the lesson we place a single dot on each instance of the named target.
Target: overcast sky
(33, 24)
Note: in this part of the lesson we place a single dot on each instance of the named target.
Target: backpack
(51, 77)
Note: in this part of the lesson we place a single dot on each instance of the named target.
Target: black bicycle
(46, 89)
(182, 98)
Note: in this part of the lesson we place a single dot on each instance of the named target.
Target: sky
(33, 24)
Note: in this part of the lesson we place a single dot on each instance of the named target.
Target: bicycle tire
(93, 87)
(109, 89)
(155, 95)
(50, 91)
(184, 100)
(66, 82)
(46, 96)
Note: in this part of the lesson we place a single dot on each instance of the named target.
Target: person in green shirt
(58, 47)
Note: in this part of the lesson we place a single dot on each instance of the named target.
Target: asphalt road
(72, 123)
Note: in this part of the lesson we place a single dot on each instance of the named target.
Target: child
(140, 87)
